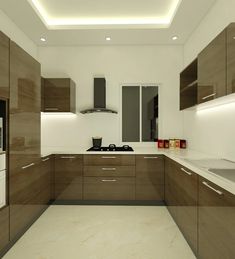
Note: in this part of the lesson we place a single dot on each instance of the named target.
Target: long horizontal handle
(213, 189)
(108, 157)
(151, 157)
(208, 96)
(27, 166)
(109, 169)
(113, 180)
(187, 172)
(46, 159)
(51, 109)
(67, 157)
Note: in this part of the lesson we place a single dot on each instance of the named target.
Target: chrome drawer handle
(208, 96)
(27, 166)
(109, 180)
(44, 160)
(108, 157)
(213, 189)
(182, 169)
(51, 109)
(109, 169)
(150, 157)
(67, 157)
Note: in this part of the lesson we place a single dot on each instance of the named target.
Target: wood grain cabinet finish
(4, 226)
(109, 160)
(68, 177)
(216, 222)
(24, 140)
(231, 59)
(25, 102)
(4, 65)
(150, 177)
(117, 171)
(109, 188)
(59, 95)
(212, 70)
(181, 196)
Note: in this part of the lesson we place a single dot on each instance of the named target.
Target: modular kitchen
(117, 123)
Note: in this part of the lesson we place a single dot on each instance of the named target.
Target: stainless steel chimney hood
(99, 98)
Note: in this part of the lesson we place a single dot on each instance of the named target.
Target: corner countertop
(178, 155)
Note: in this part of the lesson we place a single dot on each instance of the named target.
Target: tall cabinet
(24, 138)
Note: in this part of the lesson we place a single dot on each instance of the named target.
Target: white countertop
(178, 155)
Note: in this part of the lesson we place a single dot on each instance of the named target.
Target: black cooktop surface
(117, 149)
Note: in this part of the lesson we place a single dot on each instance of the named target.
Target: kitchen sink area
(220, 167)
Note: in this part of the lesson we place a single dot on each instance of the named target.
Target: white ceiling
(89, 22)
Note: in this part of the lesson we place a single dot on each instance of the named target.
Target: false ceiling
(90, 22)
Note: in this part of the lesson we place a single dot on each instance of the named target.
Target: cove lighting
(220, 103)
(163, 20)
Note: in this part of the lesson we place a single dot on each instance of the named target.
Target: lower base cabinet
(109, 188)
(216, 222)
(182, 200)
(68, 177)
(4, 227)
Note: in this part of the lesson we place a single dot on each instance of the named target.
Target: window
(139, 113)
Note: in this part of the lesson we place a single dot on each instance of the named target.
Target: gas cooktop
(111, 148)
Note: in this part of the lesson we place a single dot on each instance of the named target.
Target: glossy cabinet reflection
(216, 222)
(4, 65)
(24, 140)
(150, 177)
(59, 95)
(4, 226)
(181, 198)
(212, 70)
(231, 59)
(68, 177)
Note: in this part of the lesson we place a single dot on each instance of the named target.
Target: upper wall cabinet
(212, 70)
(58, 95)
(188, 86)
(231, 58)
(4, 65)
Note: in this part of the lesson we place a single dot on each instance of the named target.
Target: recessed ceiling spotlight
(43, 39)
(108, 38)
(175, 38)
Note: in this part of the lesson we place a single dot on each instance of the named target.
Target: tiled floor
(102, 232)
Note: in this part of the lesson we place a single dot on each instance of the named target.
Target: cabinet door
(150, 177)
(25, 200)
(187, 201)
(4, 226)
(4, 65)
(216, 222)
(170, 188)
(212, 70)
(25, 102)
(68, 177)
(231, 59)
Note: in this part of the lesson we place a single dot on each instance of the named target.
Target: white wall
(119, 65)
(15, 34)
(211, 131)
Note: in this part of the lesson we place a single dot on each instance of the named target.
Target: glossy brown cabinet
(4, 226)
(68, 177)
(181, 196)
(102, 171)
(4, 65)
(231, 58)
(150, 177)
(109, 160)
(212, 70)
(216, 222)
(24, 140)
(188, 86)
(58, 95)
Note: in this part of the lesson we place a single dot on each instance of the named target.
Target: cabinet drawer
(115, 171)
(109, 159)
(109, 188)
